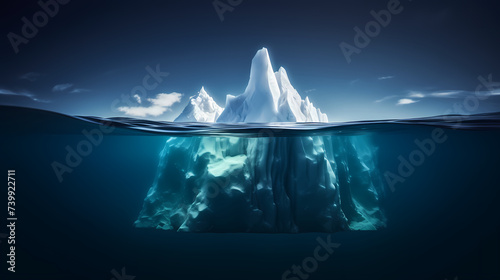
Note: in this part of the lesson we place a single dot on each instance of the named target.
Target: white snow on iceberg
(200, 108)
(269, 97)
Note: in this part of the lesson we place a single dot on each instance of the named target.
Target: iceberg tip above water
(200, 108)
(268, 97)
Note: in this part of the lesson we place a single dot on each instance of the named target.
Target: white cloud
(138, 98)
(79, 90)
(386, 98)
(24, 93)
(61, 87)
(485, 93)
(166, 99)
(385, 78)
(411, 97)
(31, 76)
(415, 94)
(310, 90)
(406, 101)
(448, 93)
(154, 111)
(159, 105)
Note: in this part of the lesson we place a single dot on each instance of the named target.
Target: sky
(356, 60)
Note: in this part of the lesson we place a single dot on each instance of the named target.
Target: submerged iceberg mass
(287, 184)
(320, 183)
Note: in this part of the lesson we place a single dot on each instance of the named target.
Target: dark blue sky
(426, 61)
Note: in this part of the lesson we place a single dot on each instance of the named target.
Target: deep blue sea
(442, 220)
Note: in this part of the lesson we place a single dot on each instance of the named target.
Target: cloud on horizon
(449, 94)
(138, 98)
(159, 105)
(79, 90)
(30, 76)
(385, 78)
(406, 101)
(354, 81)
(61, 87)
(23, 94)
(386, 98)
(416, 96)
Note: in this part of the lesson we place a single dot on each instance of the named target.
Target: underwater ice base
(265, 184)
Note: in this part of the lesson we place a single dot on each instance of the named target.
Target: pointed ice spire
(203, 93)
(282, 78)
(259, 102)
(269, 97)
(307, 101)
(200, 108)
(262, 79)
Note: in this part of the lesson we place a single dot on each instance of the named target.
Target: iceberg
(200, 108)
(264, 183)
(269, 97)
(291, 107)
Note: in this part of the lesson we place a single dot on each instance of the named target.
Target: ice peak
(262, 79)
(261, 64)
(282, 78)
(307, 101)
(200, 108)
(203, 93)
(263, 55)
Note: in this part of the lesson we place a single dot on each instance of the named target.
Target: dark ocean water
(442, 221)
